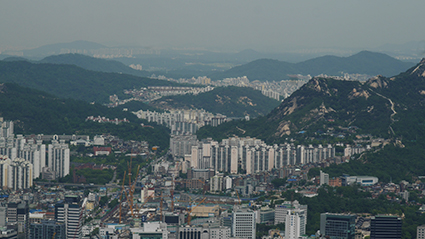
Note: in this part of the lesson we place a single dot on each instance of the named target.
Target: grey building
(337, 226)
(18, 213)
(47, 229)
(70, 212)
(243, 224)
(383, 226)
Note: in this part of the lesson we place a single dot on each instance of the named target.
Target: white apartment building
(59, 158)
(253, 155)
(295, 224)
(15, 174)
(216, 183)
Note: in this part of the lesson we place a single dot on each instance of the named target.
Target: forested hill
(365, 62)
(69, 81)
(94, 64)
(37, 112)
(231, 101)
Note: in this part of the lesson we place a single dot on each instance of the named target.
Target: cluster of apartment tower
(238, 155)
(183, 121)
(24, 159)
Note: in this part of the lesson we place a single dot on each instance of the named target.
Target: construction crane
(132, 187)
(160, 208)
(172, 195)
(189, 217)
(122, 191)
(239, 199)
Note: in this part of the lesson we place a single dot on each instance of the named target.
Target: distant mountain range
(93, 64)
(365, 62)
(61, 48)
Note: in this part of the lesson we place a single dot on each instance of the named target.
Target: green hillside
(69, 81)
(231, 101)
(36, 112)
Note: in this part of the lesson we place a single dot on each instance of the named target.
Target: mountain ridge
(364, 62)
(70, 81)
(383, 107)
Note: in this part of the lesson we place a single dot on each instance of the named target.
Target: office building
(3, 211)
(18, 213)
(281, 210)
(265, 215)
(295, 224)
(47, 229)
(192, 233)
(383, 226)
(151, 230)
(70, 212)
(337, 226)
(204, 232)
(243, 224)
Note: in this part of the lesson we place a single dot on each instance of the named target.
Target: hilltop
(231, 101)
(365, 62)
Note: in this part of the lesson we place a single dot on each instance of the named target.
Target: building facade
(59, 159)
(337, 226)
(383, 226)
(70, 213)
(47, 229)
(295, 224)
(243, 224)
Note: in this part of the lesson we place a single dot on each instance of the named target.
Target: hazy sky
(226, 24)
